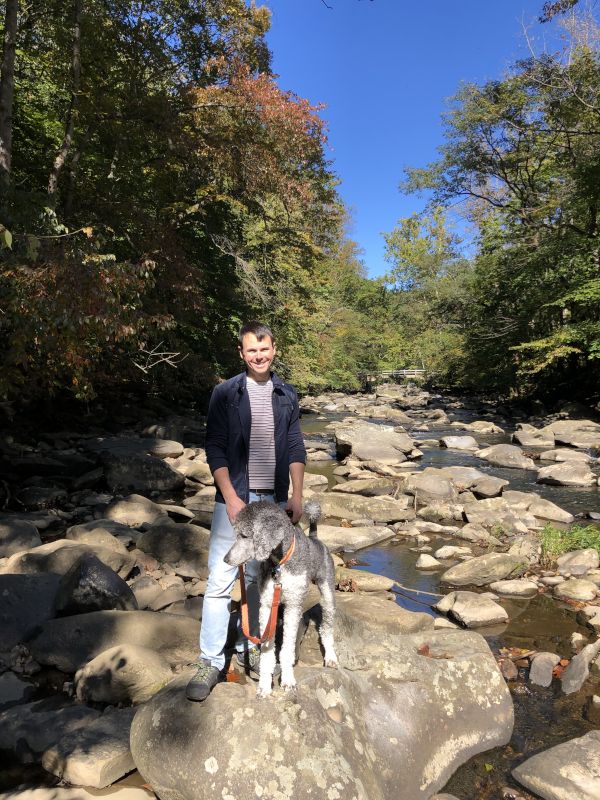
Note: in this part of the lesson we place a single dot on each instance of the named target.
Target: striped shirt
(261, 459)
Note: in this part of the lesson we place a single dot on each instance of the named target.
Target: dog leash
(269, 631)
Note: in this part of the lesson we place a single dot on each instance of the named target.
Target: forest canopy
(158, 188)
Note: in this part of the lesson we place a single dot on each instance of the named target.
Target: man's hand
(294, 504)
(233, 508)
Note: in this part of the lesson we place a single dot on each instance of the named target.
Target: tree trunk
(67, 141)
(7, 88)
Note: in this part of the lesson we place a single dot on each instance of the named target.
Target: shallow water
(543, 717)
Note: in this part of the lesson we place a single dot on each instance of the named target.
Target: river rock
(495, 512)
(339, 538)
(106, 532)
(566, 473)
(195, 470)
(472, 532)
(13, 690)
(538, 506)
(27, 730)
(576, 589)
(89, 585)
(506, 455)
(578, 562)
(520, 587)
(527, 548)
(171, 542)
(26, 601)
(369, 487)
(459, 442)
(328, 735)
(60, 555)
(146, 589)
(140, 474)
(39, 497)
(425, 561)
(17, 535)
(364, 581)
(424, 525)
(96, 755)
(441, 512)
(565, 454)
(431, 489)
(70, 642)
(489, 486)
(532, 437)
(380, 614)
(369, 442)
(125, 789)
(578, 670)
(134, 510)
(542, 666)
(379, 509)
(484, 569)
(568, 771)
(471, 609)
(385, 412)
(452, 551)
(130, 447)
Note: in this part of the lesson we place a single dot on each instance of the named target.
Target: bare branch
(155, 357)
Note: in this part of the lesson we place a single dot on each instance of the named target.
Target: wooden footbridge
(370, 378)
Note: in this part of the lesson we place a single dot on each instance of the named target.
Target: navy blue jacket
(228, 434)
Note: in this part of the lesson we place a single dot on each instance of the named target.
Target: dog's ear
(265, 542)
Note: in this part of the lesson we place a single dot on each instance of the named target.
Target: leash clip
(276, 574)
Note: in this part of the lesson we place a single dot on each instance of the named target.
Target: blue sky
(384, 69)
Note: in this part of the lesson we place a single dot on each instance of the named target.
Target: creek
(544, 717)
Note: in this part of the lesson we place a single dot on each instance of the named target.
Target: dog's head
(259, 528)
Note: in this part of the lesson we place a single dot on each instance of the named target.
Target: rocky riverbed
(103, 546)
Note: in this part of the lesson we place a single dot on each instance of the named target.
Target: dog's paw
(289, 685)
(332, 663)
(262, 693)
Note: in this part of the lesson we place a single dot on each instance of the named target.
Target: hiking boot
(202, 683)
(250, 662)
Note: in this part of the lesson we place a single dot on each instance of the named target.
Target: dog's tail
(313, 511)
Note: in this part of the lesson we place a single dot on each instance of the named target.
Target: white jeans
(217, 598)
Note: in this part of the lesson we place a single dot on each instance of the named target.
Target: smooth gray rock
(103, 532)
(542, 665)
(459, 442)
(578, 670)
(140, 474)
(70, 642)
(122, 674)
(471, 609)
(89, 585)
(355, 538)
(568, 771)
(26, 601)
(425, 561)
(506, 455)
(369, 487)
(60, 555)
(519, 587)
(146, 589)
(26, 731)
(133, 510)
(17, 535)
(566, 473)
(576, 589)
(365, 581)
(578, 562)
(97, 754)
(533, 438)
(171, 542)
(379, 509)
(431, 489)
(369, 442)
(484, 569)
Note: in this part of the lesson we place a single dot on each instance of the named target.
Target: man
(253, 445)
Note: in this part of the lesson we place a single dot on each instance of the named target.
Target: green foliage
(555, 542)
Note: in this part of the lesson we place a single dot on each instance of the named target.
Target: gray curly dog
(265, 533)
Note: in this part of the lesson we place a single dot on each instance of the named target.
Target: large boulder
(27, 601)
(175, 542)
(369, 442)
(506, 455)
(485, 569)
(536, 505)
(123, 674)
(17, 535)
(568, 771)
(106, 532)
(140, 474)
(578, 562)
(529, 436)
(97, 754)
(133, 510)
(350, 507)
(431, 489)
(129, 447)
(496, 512)
(459, 442)
(566, 473)
(70, 642)
(369, 487)
(471, 609)
(355, 538)
(89, 585)
(437, 697)
(60, 555)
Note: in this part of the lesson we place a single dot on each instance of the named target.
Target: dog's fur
(264, 532)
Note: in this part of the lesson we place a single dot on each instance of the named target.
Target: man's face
(258, 355)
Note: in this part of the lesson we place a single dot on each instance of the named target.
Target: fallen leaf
(423, 650)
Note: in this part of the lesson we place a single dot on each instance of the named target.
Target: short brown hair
(258, 329)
